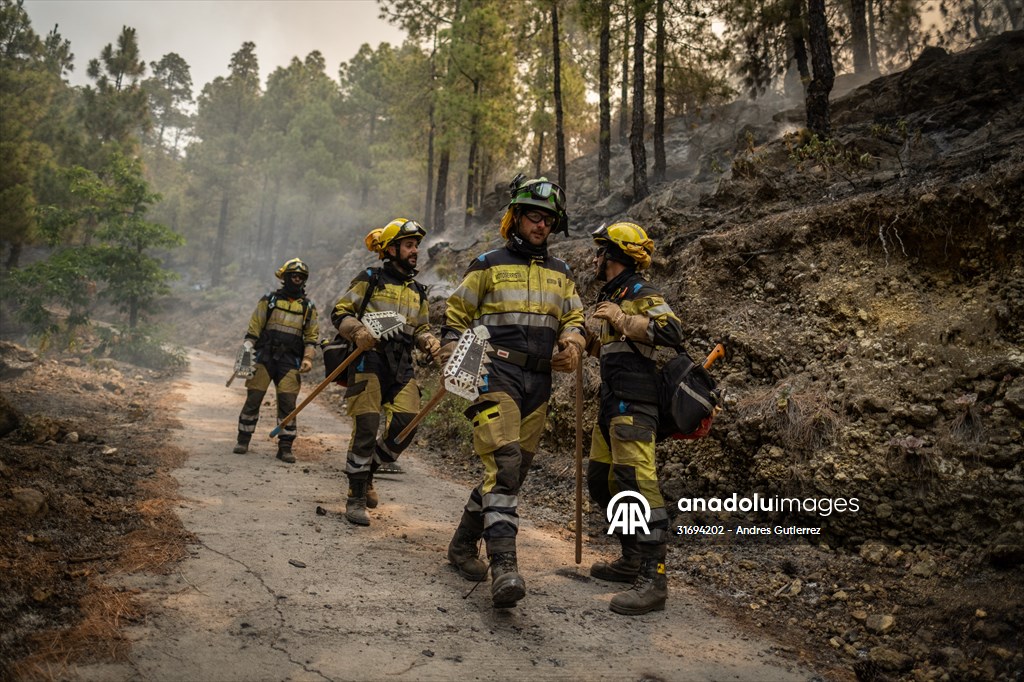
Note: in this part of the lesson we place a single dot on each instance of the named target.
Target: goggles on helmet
(380, 239)
(543, 190)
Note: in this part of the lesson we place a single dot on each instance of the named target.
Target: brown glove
(307, 360)
(631, 326)
(571, 345)
(429, 344)
(356, 332)
(445, 353)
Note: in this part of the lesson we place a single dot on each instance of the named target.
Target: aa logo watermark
(628, 513)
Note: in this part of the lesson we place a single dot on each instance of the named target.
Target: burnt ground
(869, 294)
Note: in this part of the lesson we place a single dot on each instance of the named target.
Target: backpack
(338, 349)
(687, 398)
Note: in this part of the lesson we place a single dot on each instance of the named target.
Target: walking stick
(579, 462)
(460, 375)
(316, 391)
(381, 325)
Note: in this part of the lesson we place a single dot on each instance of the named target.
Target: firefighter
(527, 300)
(381, 382)
(631, 319)
(283, 333)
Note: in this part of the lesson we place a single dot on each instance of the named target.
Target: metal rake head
(463, 372)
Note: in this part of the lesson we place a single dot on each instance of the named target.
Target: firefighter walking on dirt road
(381, 382)
(631, 319)
(527, 300)
(279, 345)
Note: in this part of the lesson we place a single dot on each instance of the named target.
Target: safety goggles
(410, 228)
(543, 190)
(538, 217)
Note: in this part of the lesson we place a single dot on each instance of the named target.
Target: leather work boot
(284, 453)
(622, 570)
(371, 494)
(648, 593)
(355, 505)
(507, 586)
(462, 554)
(242, 446)
(391, 468)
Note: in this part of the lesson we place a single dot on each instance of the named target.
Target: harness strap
(529, 362)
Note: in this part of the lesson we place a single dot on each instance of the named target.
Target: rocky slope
(870, 293)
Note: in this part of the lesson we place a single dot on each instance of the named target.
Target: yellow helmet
(290, 266)
(379, 239)
(627, 238)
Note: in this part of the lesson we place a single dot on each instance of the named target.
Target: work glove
(429, 344)
(568, 358)
(631, 326)
(307, 360)
(356, 332)
(445, 353)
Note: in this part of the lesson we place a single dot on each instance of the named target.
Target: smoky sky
(207, 32)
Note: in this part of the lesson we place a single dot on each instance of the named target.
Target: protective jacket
(398, 292)
(525, 300)
(281, 327)
(628, 368)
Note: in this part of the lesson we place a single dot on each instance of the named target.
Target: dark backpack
(687, 399)
(338, 349)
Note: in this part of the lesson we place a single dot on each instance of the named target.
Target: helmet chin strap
(602, 268)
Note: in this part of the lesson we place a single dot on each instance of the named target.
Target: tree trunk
(252, 253)
(364, 184)
(872, 38)
(659, 91)
(538, 160)
(217, 266)
(556, 57)
(797, 49)
(1014, 13)
(429, 202)
(636, 132)
(604, 138)
(859, 35)
(266, 247)
(474, 145)
(824, 75)
(14, 255)
(440, 198)
(624, 93)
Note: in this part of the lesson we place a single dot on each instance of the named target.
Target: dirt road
(274, 591)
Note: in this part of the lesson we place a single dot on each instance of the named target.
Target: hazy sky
(207, 32)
